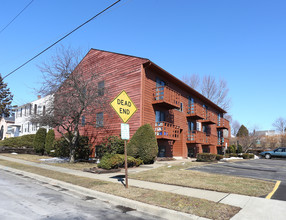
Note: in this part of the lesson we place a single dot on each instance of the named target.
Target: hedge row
(207, 157)
(114, 161)
(22, 141)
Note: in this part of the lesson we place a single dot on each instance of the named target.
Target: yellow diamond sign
(123, 106)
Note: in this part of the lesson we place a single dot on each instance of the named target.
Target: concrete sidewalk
(252, 207)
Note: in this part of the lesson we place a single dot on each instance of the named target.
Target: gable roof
(184, 85)
(148, 63)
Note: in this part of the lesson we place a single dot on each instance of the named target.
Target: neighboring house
(24, 113)
(265, 133)
(184, 121)
(6, 127)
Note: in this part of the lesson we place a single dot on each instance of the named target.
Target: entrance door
(192, 151)
(206, 149)
(162, 151)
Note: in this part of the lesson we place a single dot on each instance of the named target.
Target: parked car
(279, 152)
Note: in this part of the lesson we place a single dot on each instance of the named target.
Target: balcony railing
(166, 130)
(166, 96)
(223, 142)
(195, 110)
(210, 118)
(223, 124)
(210, 139)
(196, 137)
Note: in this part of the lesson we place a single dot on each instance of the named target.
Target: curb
(114, 200)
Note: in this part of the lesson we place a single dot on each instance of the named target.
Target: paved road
(274, 169)
(24, 198)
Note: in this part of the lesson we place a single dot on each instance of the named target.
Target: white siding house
(6, 126)
(24, 113)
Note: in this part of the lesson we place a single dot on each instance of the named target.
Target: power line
(62, 38)
(17, 16)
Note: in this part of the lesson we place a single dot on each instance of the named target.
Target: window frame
(99, 120)
(83, 120)
(100, 88)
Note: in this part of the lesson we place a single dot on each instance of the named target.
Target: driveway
(274, 169)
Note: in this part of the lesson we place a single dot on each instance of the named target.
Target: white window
(199, 126)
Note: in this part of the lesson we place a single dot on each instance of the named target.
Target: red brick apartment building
(184, 121)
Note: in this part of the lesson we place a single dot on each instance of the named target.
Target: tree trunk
(72, 155)
(73, 145)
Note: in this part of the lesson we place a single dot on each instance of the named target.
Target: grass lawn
(36, 159)
(177, 174)
(199, 207)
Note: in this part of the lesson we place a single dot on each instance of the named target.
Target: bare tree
(283, 141)
(209, 87)
(222, 99)
(280, 125)
(216, 91)
(248, 142)
(192, 80)
(76, 95)
(235, 127)
(271, 141)
(58, 68)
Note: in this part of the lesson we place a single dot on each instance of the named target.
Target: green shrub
(206, 157)
(239, 149)
(233, 155)
(114, 161)
(50, 139)
(21, 141)
(247, 156)
(219, 157)
(39, 141)
(82, 151)
(110, 145)
(143, 144)
(61, 148)
(231, 149)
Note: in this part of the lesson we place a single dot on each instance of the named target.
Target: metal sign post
(125, 108)
(125, 136)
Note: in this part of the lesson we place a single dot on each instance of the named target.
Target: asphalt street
(24, 198)
(273, 169)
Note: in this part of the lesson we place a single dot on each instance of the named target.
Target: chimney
(39, 96)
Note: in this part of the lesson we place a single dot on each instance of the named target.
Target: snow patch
(232, 158)
(55, 160)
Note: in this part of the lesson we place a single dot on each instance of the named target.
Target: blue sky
(240, 41)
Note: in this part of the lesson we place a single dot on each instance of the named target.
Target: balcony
(196, 137)
(223, 124)
(210, 140)
(195, 111)
(223, 142)
(166, 97)
(211, 118)
(166, 130)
